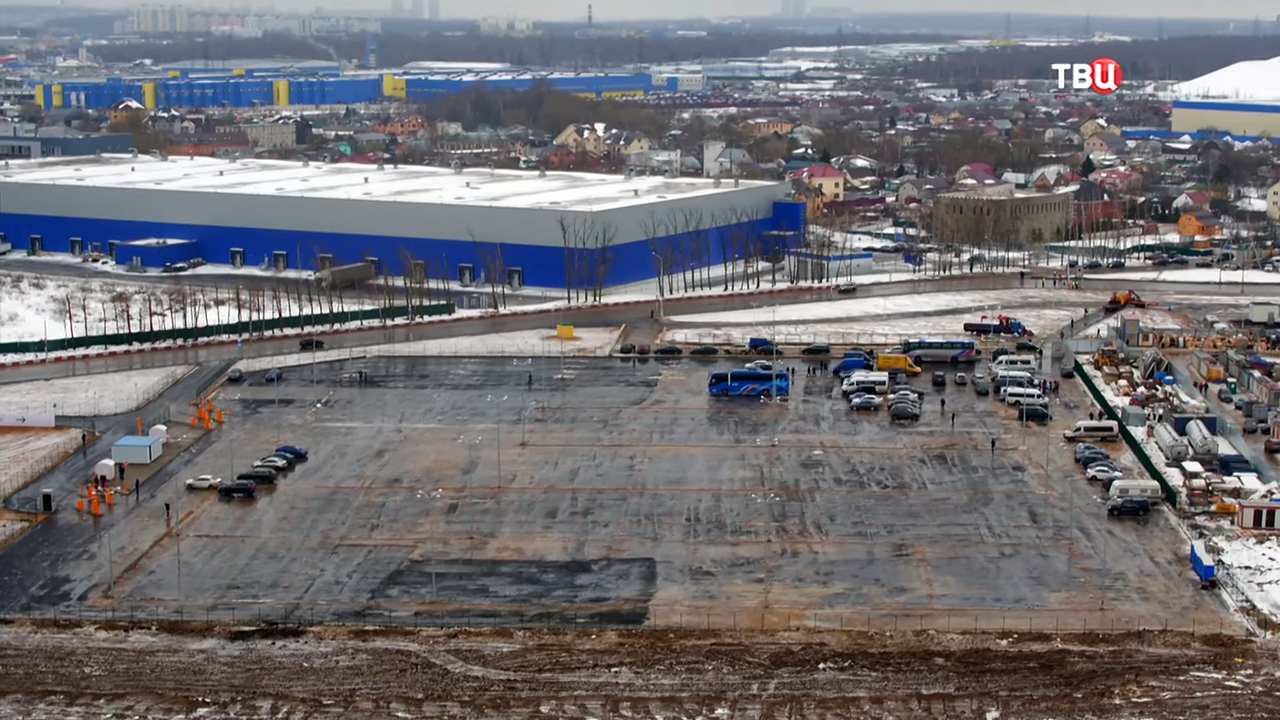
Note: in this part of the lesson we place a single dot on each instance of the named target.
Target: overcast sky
(630, 9)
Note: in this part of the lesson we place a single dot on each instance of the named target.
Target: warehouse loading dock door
(111, 249)
(279, 260)
(237, 257)
(77, 247)
(37, 244)
(466, 275)
(515, 278)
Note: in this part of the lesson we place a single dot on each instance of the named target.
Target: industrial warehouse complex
(1248, 119)
(152, 211)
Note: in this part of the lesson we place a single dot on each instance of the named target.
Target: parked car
(1271, 445)
(1240, 402)
(1128, 506)
(1160, 262)
(817, 349)
(769, 350)
(203, 482)
(274, 375)
(175, 267)
(962, 379)
(1180, 260)
(907, 393)
(1090, 458)
(864, 401)
(1034, 413)
(1250, 426)
(626, 349)
(704, 350)
(668, 350)
(981, 386)
(1224, 394)
(288, 460)
(999, 353)
(258, 475)
(1116, 264)
(235, 375)
(1203, 264)
(1084, 449)
(1093, 265)
(1099, 473)
(1067, 372)
(238, 488)
(1103, 463)
(763, 365)
(310, 344)
(1026, 346)
(847, 289)
(939, 379)
(642, 349)
(274, 463)
(904, 412)
(293, 451)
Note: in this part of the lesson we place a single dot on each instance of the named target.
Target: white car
(864, 401)
(1102, 473)
(759, 365)
(272, 462)
(203, 482)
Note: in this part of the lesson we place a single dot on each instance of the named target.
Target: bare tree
(604, 235)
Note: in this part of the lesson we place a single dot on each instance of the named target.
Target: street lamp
(660, 274)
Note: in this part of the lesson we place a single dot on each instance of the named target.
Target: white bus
(941, 351)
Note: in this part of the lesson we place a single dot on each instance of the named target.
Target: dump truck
(1000, 325)
(1125, 299)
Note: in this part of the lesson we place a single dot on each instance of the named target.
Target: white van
(1023, 396)
(1017, 378)
(1093, 430)
(1015, 362)
(877, 380)
(1136, 488)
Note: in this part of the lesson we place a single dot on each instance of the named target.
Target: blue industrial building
(538, 229)
(247, 89)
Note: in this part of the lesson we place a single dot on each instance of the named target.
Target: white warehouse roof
(1245, 80)
(405, 184)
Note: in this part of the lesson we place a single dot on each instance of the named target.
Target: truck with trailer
(1002, 325)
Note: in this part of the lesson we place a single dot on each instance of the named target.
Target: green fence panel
(1135, 446)
(265, 325)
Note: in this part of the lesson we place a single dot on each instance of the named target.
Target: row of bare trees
(588, 257)
(684, 245)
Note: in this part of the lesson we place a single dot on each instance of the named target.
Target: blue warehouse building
(248, 89)
(538, 229)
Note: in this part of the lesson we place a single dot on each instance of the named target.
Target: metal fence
(639, 619)
(24, 469)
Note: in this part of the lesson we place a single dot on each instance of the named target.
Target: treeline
(541, 109)
(1180, 58)
(565, 51)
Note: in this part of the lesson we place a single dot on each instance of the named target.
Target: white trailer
(137, 449)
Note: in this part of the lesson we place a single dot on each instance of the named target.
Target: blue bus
(749, 383)
(948, 351)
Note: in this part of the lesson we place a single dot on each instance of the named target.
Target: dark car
(626, 348)
(258, 475)
(981, 386)
(769, 350)
(1179, 261)
(704, 350)
(175, 268)
(847, 289)
(1026, 346)
(1116, 264)
(237, 488)
(1250, 426)
(1224, 394)
(1160, 262)
(1034, 413)
(310, 344)
(274, 375)
(293, 451)
(1128, 506)
(1073, 263)
(817, 349)
(668, 350)
(1203, 264)
(1093, 265)
(1271, 445)
(939, 379)
(236, 375)
(999, 353)
(1067, 372)
(1091, 458)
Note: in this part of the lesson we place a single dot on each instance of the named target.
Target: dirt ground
(73, 671)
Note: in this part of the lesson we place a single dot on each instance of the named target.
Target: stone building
(1001, 216)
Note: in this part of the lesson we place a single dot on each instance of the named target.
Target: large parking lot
(617, 491)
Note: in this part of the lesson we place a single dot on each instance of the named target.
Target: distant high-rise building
(418, 8)
(794, 8)
(160, 19)
(433, 9)
(397, 8)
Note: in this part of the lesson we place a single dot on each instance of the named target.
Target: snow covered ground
(92, 396)
(1253, 568)
(887, 330)
(26, 453)
(981, 302)
(34, 307)
(1201, 275)
(589, 342)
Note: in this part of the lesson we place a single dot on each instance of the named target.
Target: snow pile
(1245, 80)
(1201, 275)
(90, 396)
(1251, 565)
(588, 342)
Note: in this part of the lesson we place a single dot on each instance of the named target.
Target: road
(598, 315)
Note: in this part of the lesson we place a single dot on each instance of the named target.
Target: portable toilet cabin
(105, 468)
(159, 431)
(1204, 566)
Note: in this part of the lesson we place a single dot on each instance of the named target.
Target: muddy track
(74, 672)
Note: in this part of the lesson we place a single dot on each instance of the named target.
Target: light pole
(658, 257)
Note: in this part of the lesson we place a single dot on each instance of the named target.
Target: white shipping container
(137, 449)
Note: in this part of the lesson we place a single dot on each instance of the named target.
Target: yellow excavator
(1125, 299)
(1106, 356)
